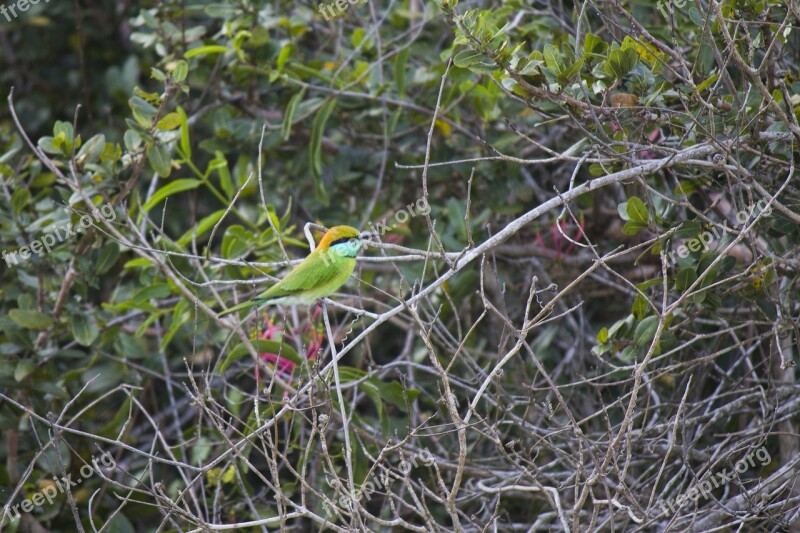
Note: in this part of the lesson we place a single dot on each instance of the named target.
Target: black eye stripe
(341, 240)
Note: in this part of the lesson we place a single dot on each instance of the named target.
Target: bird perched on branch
(319, 275)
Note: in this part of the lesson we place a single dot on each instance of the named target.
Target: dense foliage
(580, 313)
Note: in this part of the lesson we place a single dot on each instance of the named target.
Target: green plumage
(309, 281)
(325, 269)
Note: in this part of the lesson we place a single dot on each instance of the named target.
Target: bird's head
(341, 241)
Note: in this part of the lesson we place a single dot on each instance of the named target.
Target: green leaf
(622, 209)
(155, 313)
(205, 224)
(48, 145)
(119, 523)
(621, 326)
(170, 189)
(158, 290)
(596, 169)
(637, 211)
(143, 111)
(357, 37)
(553, 59)
(206, 50)
(628, 354)
(30, 319)
(602, 335)
(221, 166)
(91, 151)
(667, 342)
(84, 330)
(180, 315)
(647, 284)
(688, 229)
(632, 228)
(107, 258)
(475, 61)
(687, 187)
(640, 307)
(186, 146)
(266, 346)
(645, 331)
(132, 140)
(235, 242)
(63, 127)
(229, 475)
(159, 158)
(113, 425)
(698, 297)
(685, 278)
(783, 224)
(371, 388)
(283, 56)
(291, 109)
(180, 71)
(467, 58)
(317, 131)
(24, 368)
(169, 122)
(572, 71)
(137, 263)
(707, 82)
(19, 200)
(600, 349)
(200, 451)
(394, 393)
(698, 20)
(593, 44)
(348, 373)
(620, 62)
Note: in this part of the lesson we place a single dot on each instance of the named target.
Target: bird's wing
(303, 277)
(311, 274)
(243, 305)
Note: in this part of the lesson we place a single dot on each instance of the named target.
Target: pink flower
(312, 336)
(560, 245)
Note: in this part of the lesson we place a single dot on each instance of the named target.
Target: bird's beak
(366, 236)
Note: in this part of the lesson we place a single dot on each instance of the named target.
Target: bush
(579, 310)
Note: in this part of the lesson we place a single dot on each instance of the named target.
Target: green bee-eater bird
(319, 275)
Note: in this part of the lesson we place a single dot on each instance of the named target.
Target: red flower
(560, 245)
(312, 336)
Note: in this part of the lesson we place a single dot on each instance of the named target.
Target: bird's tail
(244, 305)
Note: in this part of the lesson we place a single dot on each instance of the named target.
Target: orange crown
(337, 233)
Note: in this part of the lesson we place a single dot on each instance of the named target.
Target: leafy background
(530, 333)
